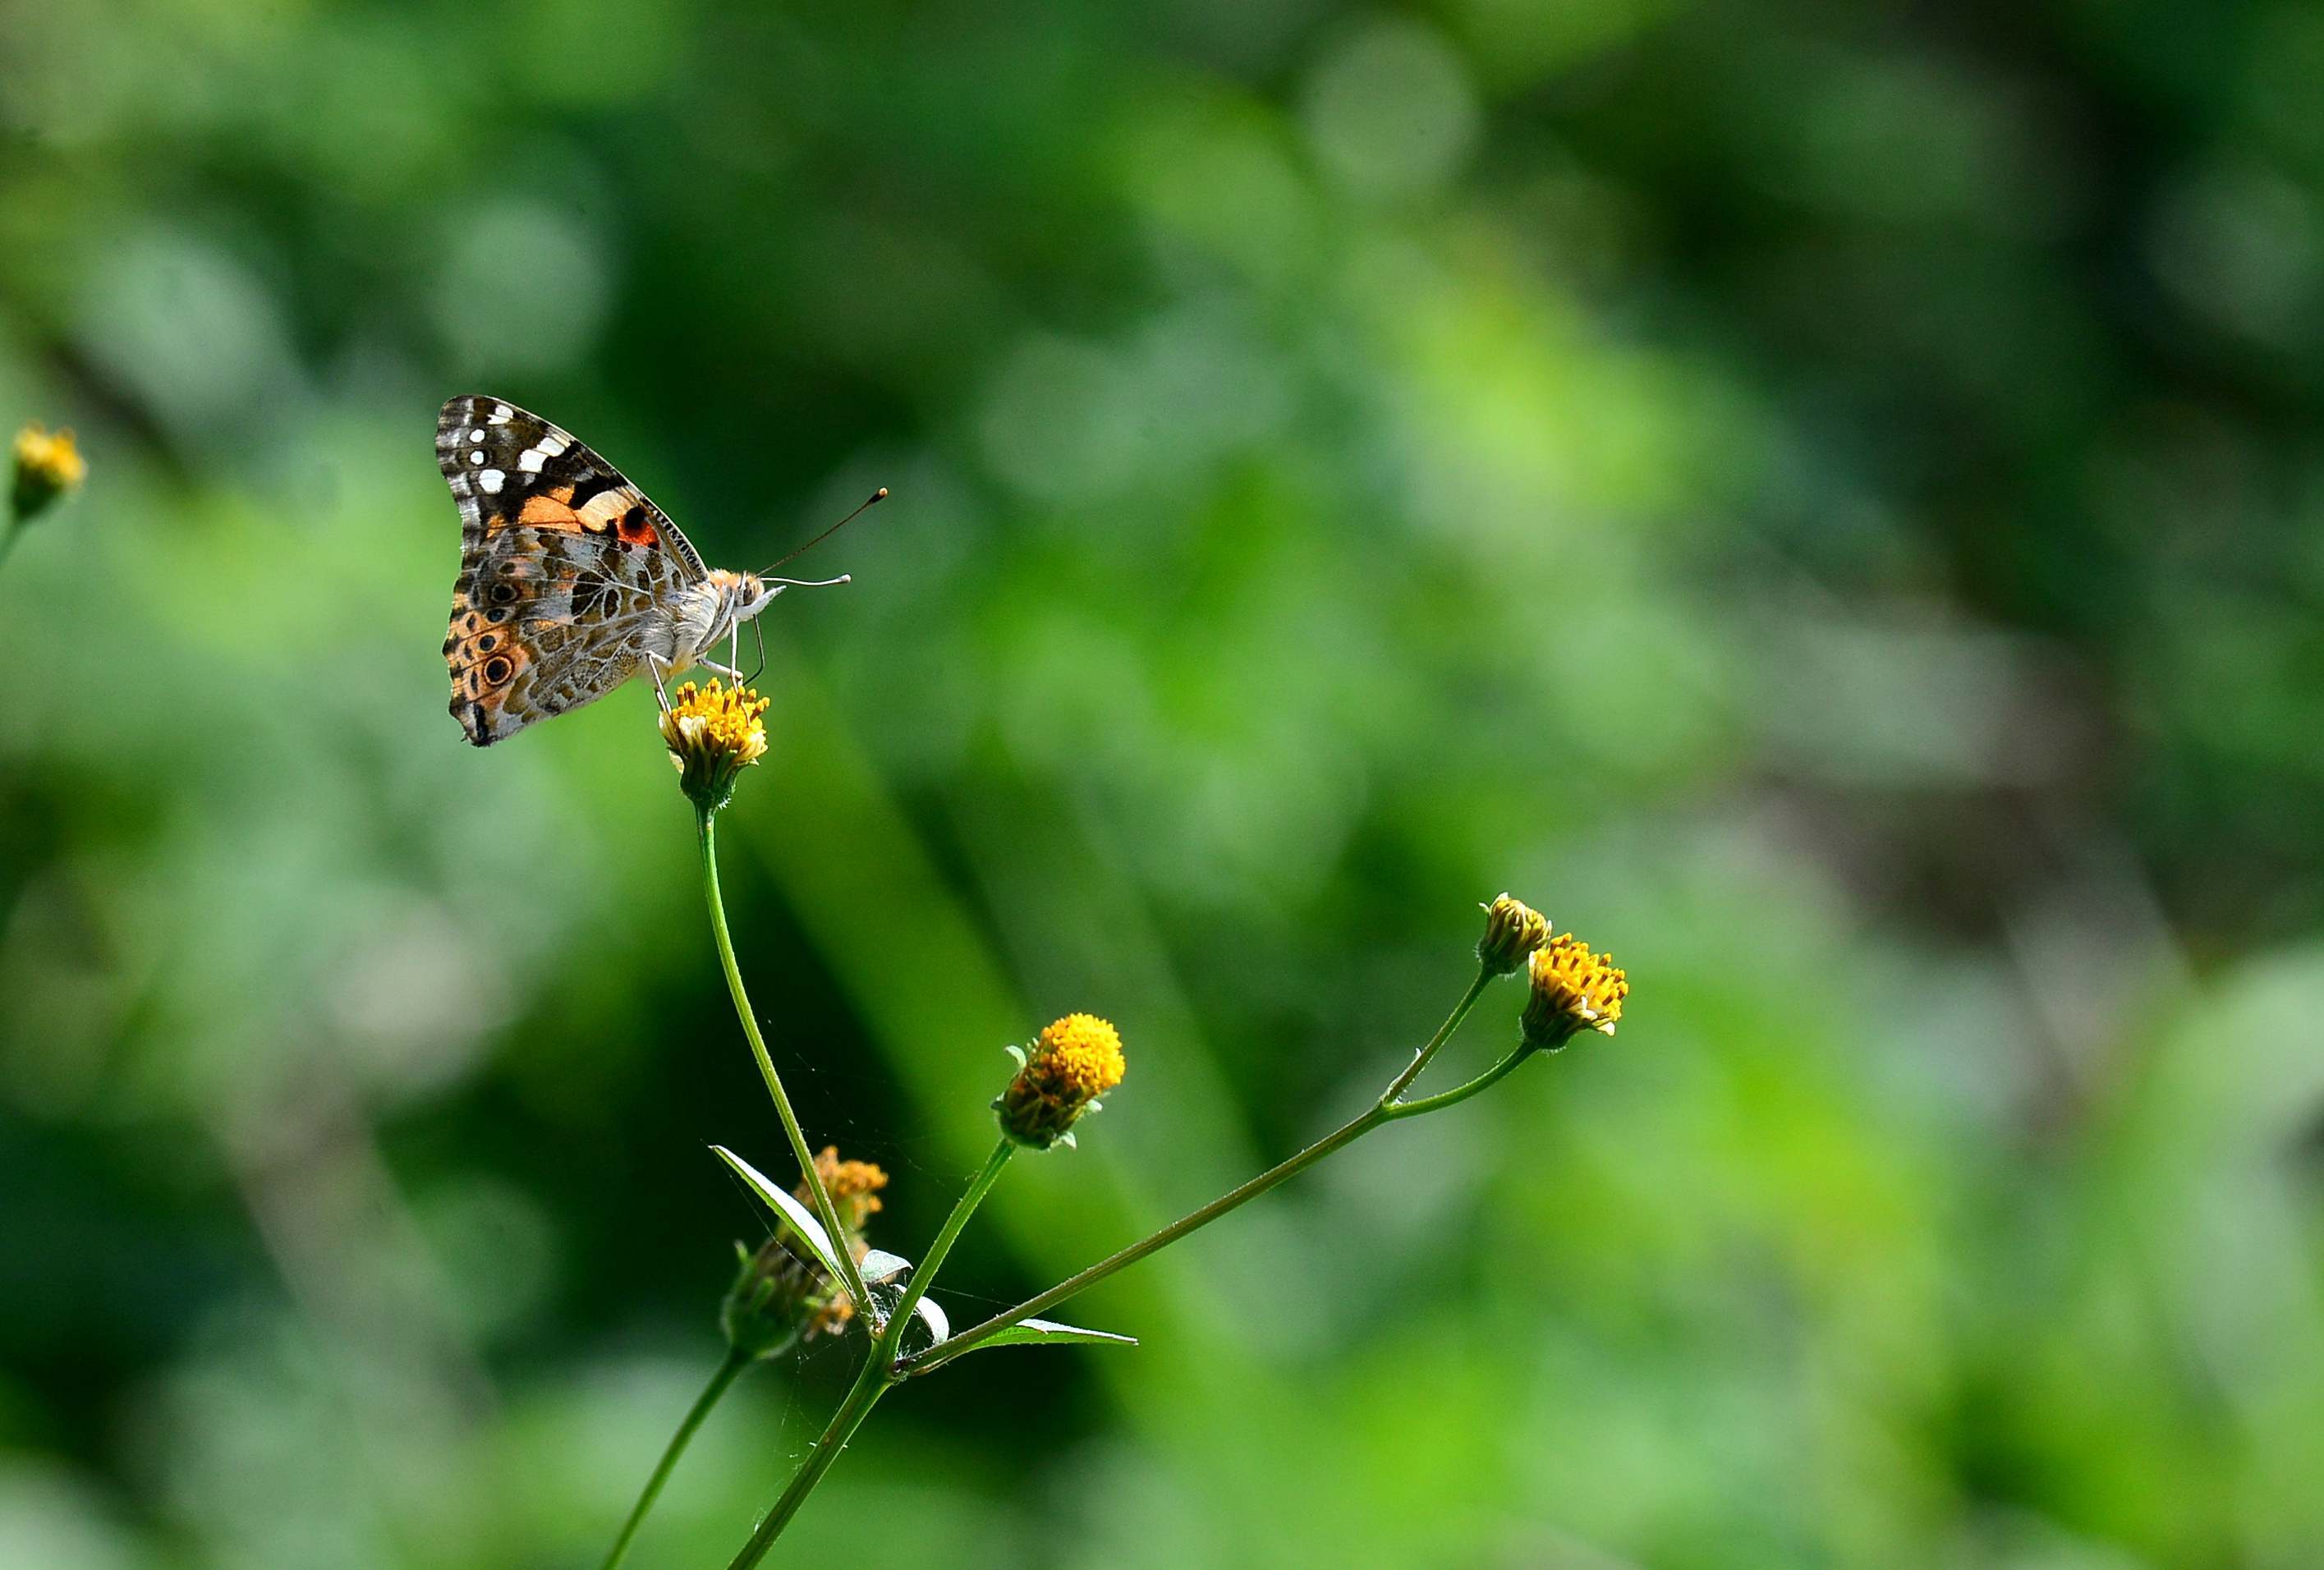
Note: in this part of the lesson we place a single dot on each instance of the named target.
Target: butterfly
(571, 581)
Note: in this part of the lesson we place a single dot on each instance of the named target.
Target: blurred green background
(1827, 501)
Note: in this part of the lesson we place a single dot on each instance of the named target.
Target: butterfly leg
(654, 667)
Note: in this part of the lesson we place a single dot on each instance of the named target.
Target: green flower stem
(1438, 1103)
(735, 1362)
(852, 1277)
(923, 1274)
(969, 1340)
(1402, 1081)
(1385, 1110)
(879, 1370)
(871, 1382)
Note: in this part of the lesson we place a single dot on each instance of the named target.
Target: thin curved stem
(923, 1274)
(1387, 1109)
(851, 1276)
(1458, 1094)
(734, 1363)
(1402, 1081)
(969, 1340)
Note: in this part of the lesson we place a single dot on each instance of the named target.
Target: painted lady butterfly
(570, 580)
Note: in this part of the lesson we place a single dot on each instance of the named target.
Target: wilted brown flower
(782, 1292)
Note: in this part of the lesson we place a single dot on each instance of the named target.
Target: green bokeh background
(1827, 501)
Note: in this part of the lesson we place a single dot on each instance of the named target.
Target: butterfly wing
(567, 572)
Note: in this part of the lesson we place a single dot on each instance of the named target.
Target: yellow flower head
(1513, 930)
(782, 1292)
(47, 467)
(712, 735)
(1572, 990)
(1075, 1060)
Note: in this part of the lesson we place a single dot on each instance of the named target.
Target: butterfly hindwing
(567, 572)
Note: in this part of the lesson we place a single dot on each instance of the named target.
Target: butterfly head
(752, 594)
(740, 597)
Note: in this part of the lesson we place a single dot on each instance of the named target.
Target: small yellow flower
(712, 735)
(1076, 1060)
(782, 1292)
(1572, 990)
(47, 468)
(1513, 930)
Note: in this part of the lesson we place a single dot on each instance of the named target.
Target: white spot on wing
(531, 459)
(553, 443)
(476, 457)
(501, 415)
(476, 435)
(491, 480)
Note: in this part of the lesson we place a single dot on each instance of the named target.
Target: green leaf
(797, 1216)
(883, 1269)
(885, 1274)
(938, 1325)
(1049, 1333)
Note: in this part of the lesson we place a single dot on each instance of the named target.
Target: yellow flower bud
(1076, 1060)
(1513, 930)
(47, 468)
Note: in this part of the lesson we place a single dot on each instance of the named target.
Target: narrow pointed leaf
(1049, 1333)
(799, 1218)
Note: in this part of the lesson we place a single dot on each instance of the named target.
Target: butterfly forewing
(567, 570)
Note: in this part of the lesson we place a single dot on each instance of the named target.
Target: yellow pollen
(713, 734)
(1078, 1057)
(713, 718)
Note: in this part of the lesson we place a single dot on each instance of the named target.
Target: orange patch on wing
(639, 531)
(551, 510)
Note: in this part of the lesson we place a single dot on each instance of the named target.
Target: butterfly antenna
(876, 496)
